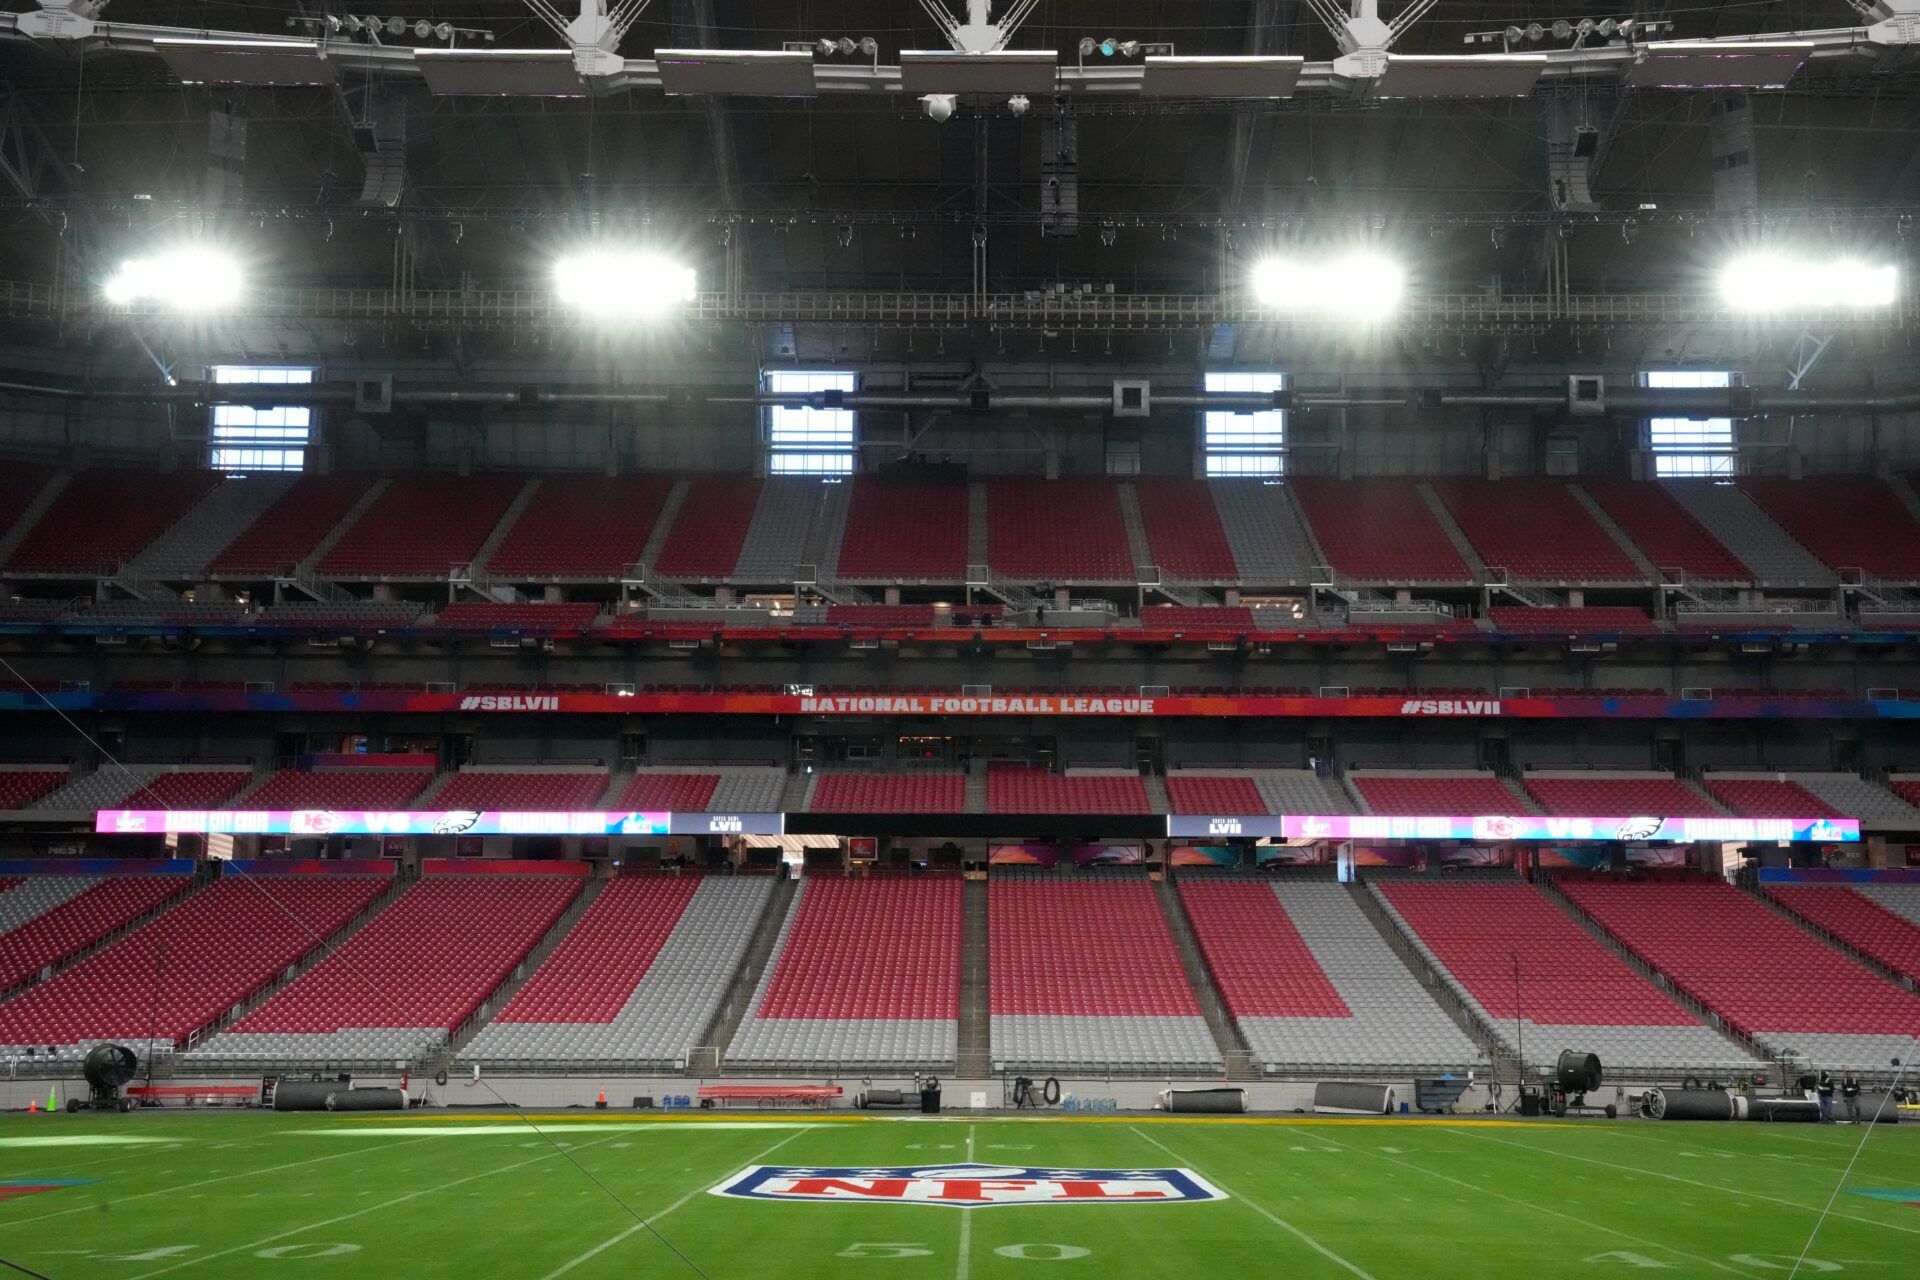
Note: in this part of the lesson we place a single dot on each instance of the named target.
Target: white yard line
(1532, 1206)
(261, 1243)
(605, 1245)
(964, 1266)
(1270, 1216)
(1691, 1182)
(204, 1182)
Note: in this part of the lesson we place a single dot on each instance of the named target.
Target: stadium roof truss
(1367, 67)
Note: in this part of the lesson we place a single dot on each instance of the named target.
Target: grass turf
(453, 1195)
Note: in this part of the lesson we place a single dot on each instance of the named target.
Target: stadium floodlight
(182, 279)
(620, 282)
(1770, 282)
(1361, 286)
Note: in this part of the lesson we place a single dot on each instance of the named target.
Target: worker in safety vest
(1850, 1092)
(1826, 1096)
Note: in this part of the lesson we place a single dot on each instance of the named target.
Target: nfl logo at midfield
(968, 1186)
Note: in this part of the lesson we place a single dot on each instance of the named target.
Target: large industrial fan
(1576, 1075)
(107, 1068)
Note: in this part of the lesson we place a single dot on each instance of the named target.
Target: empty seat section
(343, 615)
(20, 484)
(1311, 983)
(21, 787)
(187, 548)
(1617, 796)
(581, 527)
(1202, 793)
(1017, 788)
(104, 518)
(1850, 522)
(1536, 529)
(423, 526)
(1666, 533)
(1301, 791)
(1057, 530)
(1184, 533)
(1571, 991)
(183, 969)
(905, 532)
(1766, 976)
(74, 921)
(1861, 922)
(1738, 524)
(1083, 975)
(710, 528)
(544, 792)
(340, 789)
(414, 973)
(1768, 798)
(638, 979)
(880, 615)
(1527, 620)
(1855, 797)
(1379, 530)
(1409, 795)
(1178, 617)
(866, 973)
(292, 529)
(481, 616)
(889, 793)
(189, 789)
(672, 792)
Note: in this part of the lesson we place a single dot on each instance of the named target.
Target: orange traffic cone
(33, 1106)
(601, 1101)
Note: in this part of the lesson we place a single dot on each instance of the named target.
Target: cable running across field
(1887, 1101)
(333, 953)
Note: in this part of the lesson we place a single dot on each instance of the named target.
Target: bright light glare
(1767, 282)
(184, 279)
(1359, 286)
(613, 283)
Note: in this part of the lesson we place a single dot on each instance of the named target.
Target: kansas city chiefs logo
(968, 1186)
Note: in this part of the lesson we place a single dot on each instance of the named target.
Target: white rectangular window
(1246, 444)
(250, 438)
(809, 442)
(1684, 447)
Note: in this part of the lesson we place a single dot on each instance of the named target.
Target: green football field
(460, 1195)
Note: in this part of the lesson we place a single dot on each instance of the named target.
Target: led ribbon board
(315, 823)
(1534, 827)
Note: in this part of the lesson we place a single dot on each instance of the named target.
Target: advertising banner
(1108, 855)
(426, 822)
(949, 705)
(1204, 855)
(1183, 826)
(1022, 855)
(1558, 830)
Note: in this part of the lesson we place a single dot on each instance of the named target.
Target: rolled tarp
(1215, 1102)
(1352, 1098)
(1689, 1104)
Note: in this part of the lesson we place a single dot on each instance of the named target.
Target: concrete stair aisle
(1156, 788)
(504, 526)
(1694, 786)
(710, 1058)
(1453, 531)
(1520, 796)
(975, 1033)
(1620, 539)
(829, 528)
(1137, 543)
(1233, 1051)
(322, 948)
(1353, 795)
(339, 531)
(1435, 985)
(187, 548)
(976, 789)
(663, 523)
(1598, 932)
(797, 795)
(10, 539)
(979, 544)
(496, 1001)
